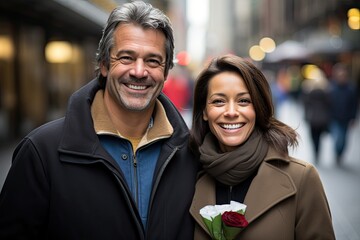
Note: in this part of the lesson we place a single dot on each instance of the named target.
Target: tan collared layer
(161, 127)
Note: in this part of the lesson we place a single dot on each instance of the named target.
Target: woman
(244, 153)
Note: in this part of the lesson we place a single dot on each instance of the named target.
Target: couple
(122, 165)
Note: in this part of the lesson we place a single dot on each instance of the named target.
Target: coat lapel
(270, 186)
(204, 195)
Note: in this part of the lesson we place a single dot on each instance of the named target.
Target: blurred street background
(47, 51)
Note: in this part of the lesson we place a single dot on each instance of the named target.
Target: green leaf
(230, 233)
(217, 228)
(208, 224)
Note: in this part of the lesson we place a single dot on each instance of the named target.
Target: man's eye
(153, 63)
(125, 59)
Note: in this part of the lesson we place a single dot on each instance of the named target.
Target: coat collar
(79, 136)
(261, 196)
(157, 129)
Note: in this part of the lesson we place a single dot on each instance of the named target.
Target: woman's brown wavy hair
(277, 134)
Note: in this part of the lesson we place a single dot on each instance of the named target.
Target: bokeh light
(256, 53)
(58, 52)
(354, 18)
(267, 44)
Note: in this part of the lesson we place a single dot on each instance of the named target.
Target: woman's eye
(217, 102)
(244, 101)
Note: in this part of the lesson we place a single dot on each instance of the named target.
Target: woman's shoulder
(301, 171)
(300, 163)
(291, 165)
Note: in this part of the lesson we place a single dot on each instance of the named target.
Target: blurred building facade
(317, 25)
(47, 51)
(322, 28)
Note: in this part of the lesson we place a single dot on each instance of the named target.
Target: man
(117, 166)
(344, 105)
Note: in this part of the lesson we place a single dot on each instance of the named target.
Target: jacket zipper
(158, 177)
(128, 200)
(230, 193)
(127, 197)
(136, 180)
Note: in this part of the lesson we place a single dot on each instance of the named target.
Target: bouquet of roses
(224, 222)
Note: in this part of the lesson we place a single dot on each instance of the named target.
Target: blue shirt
(138, 176)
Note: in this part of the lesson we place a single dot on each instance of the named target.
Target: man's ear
(103, 70)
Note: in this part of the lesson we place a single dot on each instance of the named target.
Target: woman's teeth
(231, 126)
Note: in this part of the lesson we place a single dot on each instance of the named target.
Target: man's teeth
(231, 126)
(136, 87)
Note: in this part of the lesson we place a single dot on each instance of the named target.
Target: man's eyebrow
(130, 52)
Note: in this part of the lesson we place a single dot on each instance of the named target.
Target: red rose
(234, 219)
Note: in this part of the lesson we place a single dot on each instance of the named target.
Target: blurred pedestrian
(244, 153)
(178, 90)
(344, 104)
(317, 107)
(117, 165)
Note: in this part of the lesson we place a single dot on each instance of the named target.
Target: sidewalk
(341, 184)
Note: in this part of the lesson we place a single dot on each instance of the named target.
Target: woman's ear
(205, 117)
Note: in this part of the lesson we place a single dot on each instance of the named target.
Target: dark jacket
(317, 108)
(64, 185)
(344, 103)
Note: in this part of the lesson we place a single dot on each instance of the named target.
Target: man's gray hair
(138, 13)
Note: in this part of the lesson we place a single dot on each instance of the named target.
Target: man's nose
(139, 69)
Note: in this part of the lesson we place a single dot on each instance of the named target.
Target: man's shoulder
(49, 130)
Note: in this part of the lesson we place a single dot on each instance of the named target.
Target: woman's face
(229, 110)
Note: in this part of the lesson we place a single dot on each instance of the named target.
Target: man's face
(137, 62)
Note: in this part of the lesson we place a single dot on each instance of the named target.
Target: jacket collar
(79, 136)
(158, 129)
(262, 194)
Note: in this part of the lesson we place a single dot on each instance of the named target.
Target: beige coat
(285, 201)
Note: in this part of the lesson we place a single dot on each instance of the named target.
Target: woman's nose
(231, 110)
(139, 69)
